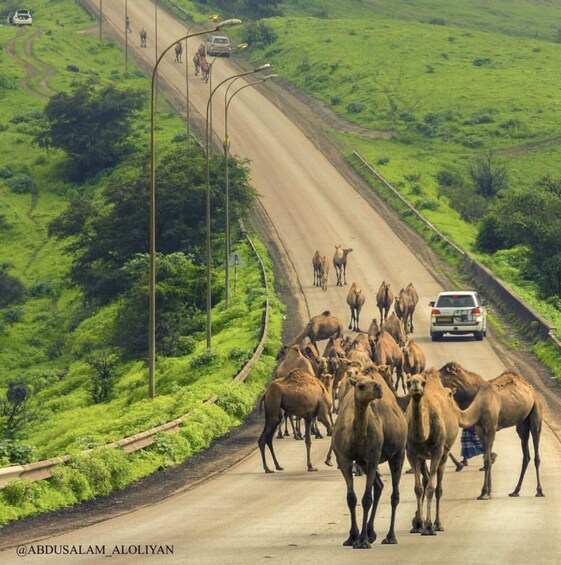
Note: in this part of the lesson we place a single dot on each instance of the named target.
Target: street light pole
(152, 289)
(226, 145)
(208, 250)
(100, 17)
(126, 38)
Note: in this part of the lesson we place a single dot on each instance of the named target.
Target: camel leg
(308, 424)
(487, 440)
(346, 468)
(266, 438)
(417, 522)
(345, 272)
(396, 466)
(438, 493)
(535, 429)
(377, 489)
(428, 527)
(523, 430)
(459, 465)
(367, 505)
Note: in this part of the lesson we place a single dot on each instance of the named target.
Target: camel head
(366, 390)
(346, 251)
(416, 386)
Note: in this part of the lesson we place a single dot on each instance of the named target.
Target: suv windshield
(456, 301)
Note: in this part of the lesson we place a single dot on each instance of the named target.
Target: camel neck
(419, 419)
(360, 421)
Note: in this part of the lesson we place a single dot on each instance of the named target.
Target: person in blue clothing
(472, 446)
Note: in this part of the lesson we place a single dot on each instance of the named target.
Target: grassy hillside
(45, 339)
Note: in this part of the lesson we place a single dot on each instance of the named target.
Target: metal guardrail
(40, 470)
(497, 288)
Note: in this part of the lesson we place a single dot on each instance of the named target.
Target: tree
(15, 407)
(105, 237)
(92, 125)
(489, 176)
(180, 297)
(11, 288)
(104, 365)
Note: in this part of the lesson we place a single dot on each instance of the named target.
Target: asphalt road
(245, 516)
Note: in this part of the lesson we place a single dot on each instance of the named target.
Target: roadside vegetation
(74, 227)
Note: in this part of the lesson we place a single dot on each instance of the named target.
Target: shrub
(21, 184)
(355, 107)
(335, 100)
(13, 452)
(481, 61)
(204, 359)
(5, 172)
(383, 161)
(16, 492)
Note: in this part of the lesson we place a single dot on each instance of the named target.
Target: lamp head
(270, 76)
(243, 46)
(214, 17)
(228, 23)
(262, 67)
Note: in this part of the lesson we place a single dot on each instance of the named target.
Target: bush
(21, 184)
(204, 359)
(481, 61)
(13, 315)
(5, 173)
(383, 161)
(257, 31)
(355, 107)
(12, 452)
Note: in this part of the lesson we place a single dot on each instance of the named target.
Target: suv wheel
(479, 336)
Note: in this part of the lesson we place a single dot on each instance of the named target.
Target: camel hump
(326, 313)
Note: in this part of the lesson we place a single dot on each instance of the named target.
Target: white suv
(218, 45)
(21, 18)
(458, 312)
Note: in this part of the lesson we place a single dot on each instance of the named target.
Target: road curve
(245, 516)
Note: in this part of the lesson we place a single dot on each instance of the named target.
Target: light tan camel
(369, 430)
(508, 400)
(340, 263)
(384, 299)
(388, 352)
(355, 300)
(324, 272)
(302, 395)
(374, 330)
(394, 327)
(322, 326)
(316, 264)
(414, 360)
(433, 428)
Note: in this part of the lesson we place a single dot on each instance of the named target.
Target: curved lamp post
(208, 256)
(240, 46)
(152, 290)
(226, 145)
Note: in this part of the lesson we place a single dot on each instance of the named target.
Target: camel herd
(358, 377)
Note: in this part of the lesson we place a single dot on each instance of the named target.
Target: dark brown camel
(508, 400)
(302, 395)
(370, 429)
(405, 304)
(355, 300)
(384, 299)
(178, 51)
(340, 263)
(322, 326)
(394, 327)
(316, 264)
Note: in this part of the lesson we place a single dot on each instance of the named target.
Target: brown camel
(414, 359)
(355, 300)
(302, 395)
(508, 400)
(373, 330)
(324, 272)
(387, 352)
(405, 304)
(384, 299)
(433, 428)
(370, 429)
(178, 51)
(322, 326)
(316, 264)
(340, 263)
(394, 327)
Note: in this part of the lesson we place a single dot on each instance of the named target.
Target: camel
(205, 68)
(322, 326)
(201, 50)
(323, 272)
(178, 51)
(370, 429)
(433, 428)
(394, 327)
(508, 400)
(316, 264)
(405, 304)
(384, 299)
(143, 37)
(334, 348)
(302, 395)
(355, 300)
(340, 263)
(374, 330)
(197, 63)
(387, 352)
(414, 359)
